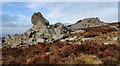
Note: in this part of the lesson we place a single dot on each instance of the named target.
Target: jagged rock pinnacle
(38, 19)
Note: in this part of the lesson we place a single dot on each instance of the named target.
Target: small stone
(57, 36)
(40, 40)
(106, 43)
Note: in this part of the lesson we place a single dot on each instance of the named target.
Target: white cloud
(75, 11)
(109, 15)
(56, 10)
(13, 24)
(63, 11)
(24, 19)
(18, 18)
(72, 12)
(14, 30)
(34, 5)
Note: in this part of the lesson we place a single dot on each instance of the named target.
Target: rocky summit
(87, 22)
(88, 41)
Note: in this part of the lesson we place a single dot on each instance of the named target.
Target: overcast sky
(16, 16)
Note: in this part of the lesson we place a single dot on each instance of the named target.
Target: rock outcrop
(41, 31)
(87, 22)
